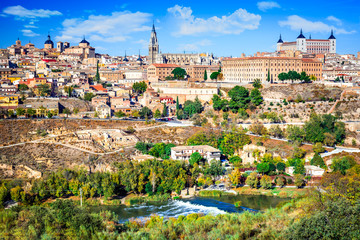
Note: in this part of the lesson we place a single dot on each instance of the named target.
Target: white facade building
(184, 152)
(312, 46)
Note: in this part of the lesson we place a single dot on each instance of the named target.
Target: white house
(103, 111)
(184, 152)
(310, 170)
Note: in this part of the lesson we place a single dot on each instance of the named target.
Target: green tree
(280, 182)
(299, 180)
(4, 192)
(280, 166)
(266, 182)
(97, 75)
(293, 75)
(143, 147)
(215, 168)
(179, 73)
(145, 112)
(233, 141)
(43, 90)
(263, 167)
(239, 98)
(256, 97)
(318, 148)
(295, 133)
(299, 167)
(304, 77)
(342, 164)
(16, 193)
(252, 180)
(214, 75)
(139, 87)
(68, 90)
(243, 114)
(20, 111)
(164, 111)
(30, 112)
(180, 114)
(257, 83)
(88, 96)
(23, 87)
(157, 113)
(205, 75)
(283, 76)
(235, 159)
(317, 160)
(195, 158)
(49, 114)
(177, 103)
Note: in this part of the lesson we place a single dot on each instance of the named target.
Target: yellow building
(9, 101)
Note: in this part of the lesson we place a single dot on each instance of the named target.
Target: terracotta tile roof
(99, 88)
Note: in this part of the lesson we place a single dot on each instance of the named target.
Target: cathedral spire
(153, 27)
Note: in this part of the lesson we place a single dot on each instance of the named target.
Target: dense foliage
(60, 220)
(139, 87)
(228, 142)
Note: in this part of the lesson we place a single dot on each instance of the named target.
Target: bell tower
(153, 46)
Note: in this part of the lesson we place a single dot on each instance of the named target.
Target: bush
(266, 182)
(252, 180)
(238, 204)
(289, 181)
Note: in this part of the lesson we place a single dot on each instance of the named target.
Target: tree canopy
(179, 73)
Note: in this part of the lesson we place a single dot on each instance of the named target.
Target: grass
(213, 193)
(144, 199)
(279, 192)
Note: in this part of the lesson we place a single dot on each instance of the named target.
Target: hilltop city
(260, 146)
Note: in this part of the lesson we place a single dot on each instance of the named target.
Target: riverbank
(276, 192)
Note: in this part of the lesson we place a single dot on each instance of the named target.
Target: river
(175, 208)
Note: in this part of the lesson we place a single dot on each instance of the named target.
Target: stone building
(184, 152)
(250, 68)
(84, 50)
(308, 45)
(158, 71)
(155, 56)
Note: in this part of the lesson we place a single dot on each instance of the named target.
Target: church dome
(84, 41)
(48, 41)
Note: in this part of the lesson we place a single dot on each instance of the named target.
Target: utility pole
(81, 197)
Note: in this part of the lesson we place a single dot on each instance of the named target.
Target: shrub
(237, 204)
(265, 182)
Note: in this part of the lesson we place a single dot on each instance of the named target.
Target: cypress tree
(205, 75)
(177, 103)
(97, 76)
(164, 113)
(268, 77)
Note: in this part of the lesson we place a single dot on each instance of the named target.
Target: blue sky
(225, 28)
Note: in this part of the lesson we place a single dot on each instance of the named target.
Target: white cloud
(30, 26)
(21, 12)
(296, 23)
(29, 33)
(116, 27)
(264, 6)
(143, 43)
(334, 19)
(195, 46)
(234, 23)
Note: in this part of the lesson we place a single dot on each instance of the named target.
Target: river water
(175, 208)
